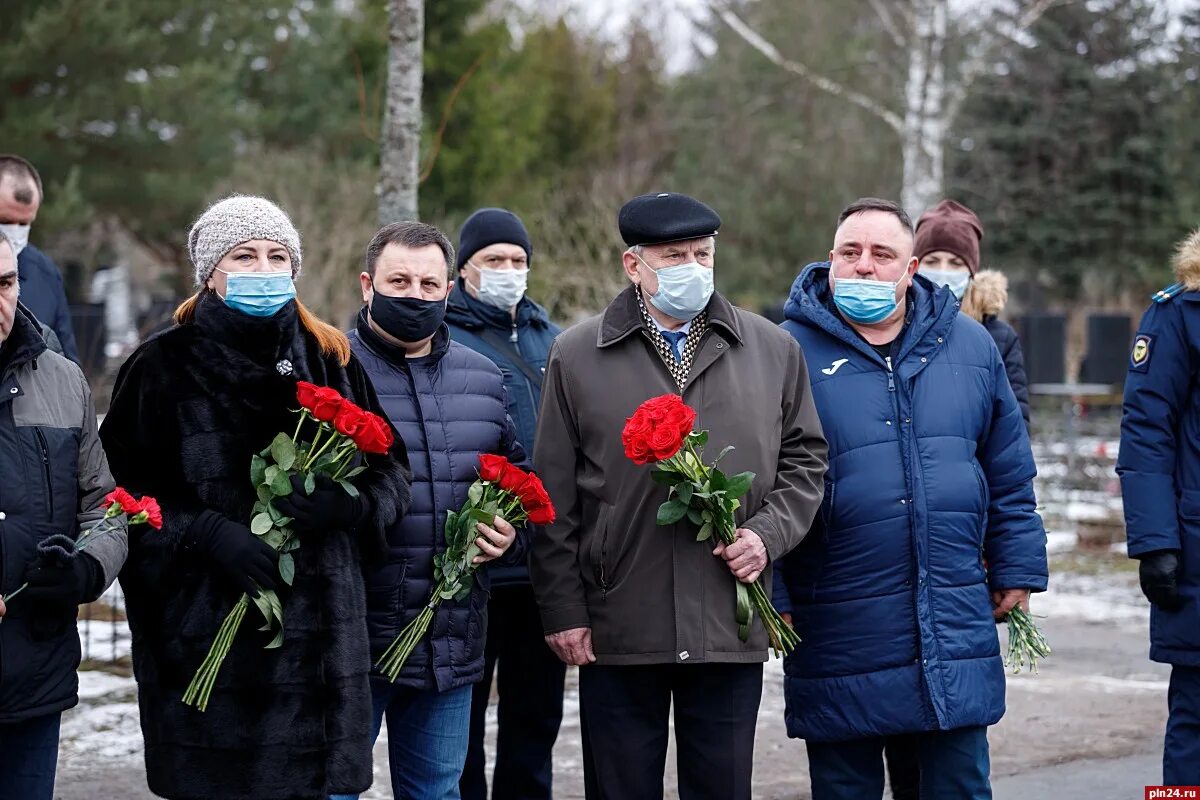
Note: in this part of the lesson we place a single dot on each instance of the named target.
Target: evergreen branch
(752, 38)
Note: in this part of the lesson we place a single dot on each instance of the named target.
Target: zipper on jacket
(603, 557)
(891, 375)
(512, 337)
(45, 448)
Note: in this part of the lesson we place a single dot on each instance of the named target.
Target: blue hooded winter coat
(930, 474)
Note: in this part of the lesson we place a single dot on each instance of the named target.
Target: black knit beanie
(491, 226)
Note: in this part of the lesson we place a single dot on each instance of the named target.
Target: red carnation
(326, 403)
(491, 467)
(149, 507)
(350, 420)
(375, 435)
(306, 394)
(128, 503)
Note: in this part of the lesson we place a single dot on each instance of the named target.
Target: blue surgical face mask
(683, 290)
(865, 301)
(259, 294)
(956, 280)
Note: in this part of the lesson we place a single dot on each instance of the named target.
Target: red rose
(326, 403)
(542, 515)
(350, 420)
(128, 503)
(533, 493)
(375, 435)
(491, 467)
(306, 394)
(149, 507)
(665, 441)
(657, 429)
(512, 479)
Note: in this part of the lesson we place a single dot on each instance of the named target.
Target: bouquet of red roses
(660, 433)
(117, 502)
(343, 430)
(504, 491)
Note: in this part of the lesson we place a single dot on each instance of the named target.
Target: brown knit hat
(952, 227)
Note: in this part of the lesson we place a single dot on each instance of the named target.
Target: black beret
(666, 217)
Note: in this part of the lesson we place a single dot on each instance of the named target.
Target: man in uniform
(1159, 465)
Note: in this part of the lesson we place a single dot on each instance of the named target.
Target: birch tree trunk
(931, 101)
(400, 142)
(926, 124)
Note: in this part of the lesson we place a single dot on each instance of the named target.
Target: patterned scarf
(680, 368)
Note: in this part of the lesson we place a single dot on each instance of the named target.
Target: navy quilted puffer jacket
(448, 407)
(930, 475)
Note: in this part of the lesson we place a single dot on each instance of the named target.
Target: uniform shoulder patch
(1139, 356)
(1164, 295)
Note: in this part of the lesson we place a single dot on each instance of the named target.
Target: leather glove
(328, 508)
(1159, 576)
(243, 557)
(56, 588)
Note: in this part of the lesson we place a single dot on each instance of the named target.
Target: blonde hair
(331, 341)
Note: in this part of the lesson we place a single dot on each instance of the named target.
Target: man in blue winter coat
(1159, 465)
(42, 289)
(930, 476)
(490, 313)
(447, 403)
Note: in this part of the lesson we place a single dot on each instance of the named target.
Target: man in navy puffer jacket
(930, 476)
(447, 402)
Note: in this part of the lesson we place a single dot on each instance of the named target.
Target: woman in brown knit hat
(947, 246)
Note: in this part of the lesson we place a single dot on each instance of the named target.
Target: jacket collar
(622, 317)
(932, 311)
(394, 353)
(465, 311)
(24, 344)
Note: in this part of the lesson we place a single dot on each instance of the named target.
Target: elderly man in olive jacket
(648, 611)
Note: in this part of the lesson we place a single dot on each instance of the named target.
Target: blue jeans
(29, 758)
(954, 765)
(427, 739)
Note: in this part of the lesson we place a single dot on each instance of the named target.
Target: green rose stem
(397, 653)
(201, 687)
(317, 453)
(783, 637)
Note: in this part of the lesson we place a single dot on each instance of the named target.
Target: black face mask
(409, 319)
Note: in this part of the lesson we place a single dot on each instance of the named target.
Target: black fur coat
(189, 408)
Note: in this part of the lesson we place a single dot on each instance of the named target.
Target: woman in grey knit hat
(189, 409)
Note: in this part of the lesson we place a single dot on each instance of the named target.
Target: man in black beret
(646, 610)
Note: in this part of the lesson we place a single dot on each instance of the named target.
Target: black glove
(244, 558)
(1159, 576)
(329, 507)
(56, 588)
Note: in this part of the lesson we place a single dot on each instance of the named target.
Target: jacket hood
(987, 295)
(1187, 262)
(465, 311)
(808, 304)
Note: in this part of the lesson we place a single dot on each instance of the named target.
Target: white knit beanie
(234, 220)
